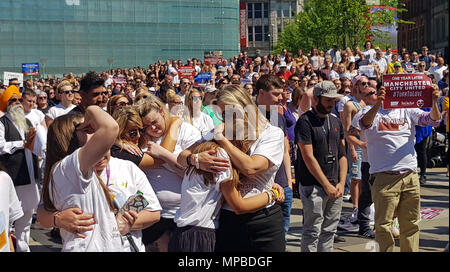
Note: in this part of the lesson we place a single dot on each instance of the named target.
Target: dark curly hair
(91, 81)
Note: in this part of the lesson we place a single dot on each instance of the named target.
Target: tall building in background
(81, 35)
(430, 26)
(262, 20)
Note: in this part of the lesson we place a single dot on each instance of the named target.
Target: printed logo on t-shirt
(388, 124)
(3, 231)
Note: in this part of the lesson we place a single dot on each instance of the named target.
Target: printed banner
(213, 58)
(368, 70)
(9, 75)
(186, 72)
(30, 69)
(243, 23)
(202, 80)
(407, 91)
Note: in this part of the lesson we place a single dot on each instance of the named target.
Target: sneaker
(367, 234)
(339, 239)
(354, 216)
(346, 197)
(395, 228)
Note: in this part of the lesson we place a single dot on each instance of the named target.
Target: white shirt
(381, 64)
(164, 181)
(370, 54)
(35, 117)
(126, 179)
(69, 190)
(204, 123)
(201, 203)
(270, 145)
(438, 72)
(10, 209)
(28, 194)
(59, 110)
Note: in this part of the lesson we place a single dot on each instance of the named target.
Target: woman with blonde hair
(256, 150)
(174, 103)
(193, 113)
(165, 180)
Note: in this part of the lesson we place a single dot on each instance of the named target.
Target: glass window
(250, 34)
(249, 10)
(266, 33)
(258, 33)
(258, 10)
(266, 10)
(285, 7)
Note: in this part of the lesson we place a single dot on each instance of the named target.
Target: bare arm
(287, 162)
(243, 205)
(146, 219)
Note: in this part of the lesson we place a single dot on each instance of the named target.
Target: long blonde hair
(188, 115)
(126, 118)
(254, 122)
(62, 141)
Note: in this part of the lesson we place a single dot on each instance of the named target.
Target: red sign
(407, 91)
(213, 58)
(186, 72)
(243, 23)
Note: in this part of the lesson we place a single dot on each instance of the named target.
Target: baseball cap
(326, 88)
(210, 89)
(282, 64)
(397, 64)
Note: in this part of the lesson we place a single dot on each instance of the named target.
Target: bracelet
(270, 197)
(276, 193)
(54, 219)
(196, 161)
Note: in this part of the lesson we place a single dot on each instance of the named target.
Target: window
(250, 34)
(266, 10)
(266, 33)
(249, 10)
(258, 10)
(258, 33)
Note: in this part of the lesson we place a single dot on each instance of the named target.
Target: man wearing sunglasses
(65, 91)
(16, 145)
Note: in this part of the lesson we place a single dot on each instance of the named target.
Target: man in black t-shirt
(322, 167)
(270, 90)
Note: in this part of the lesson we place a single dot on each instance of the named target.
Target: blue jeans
(286, 207)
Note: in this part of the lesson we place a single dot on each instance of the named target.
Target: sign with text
(368, 70)
(186, 72)
(9, 75)
(30, 69)
(243, 23)
(407, 91)
(213, 58)
(202, 80)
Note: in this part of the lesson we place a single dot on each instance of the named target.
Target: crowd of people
(216, 167)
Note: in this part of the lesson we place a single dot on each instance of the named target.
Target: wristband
(54, 219)
(270, 196)
(196, 161)
(277, 194)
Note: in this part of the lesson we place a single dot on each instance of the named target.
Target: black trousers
(261, 231)
(365, 198)
(421, 150)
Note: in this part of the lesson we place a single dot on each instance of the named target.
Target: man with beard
(16, 146)
(323, 169)
(92, 91)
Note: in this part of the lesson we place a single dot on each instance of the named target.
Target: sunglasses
(17, 84)
(42, 97)
(295, 80)
(176, 103)
(67, 92)
(14, 100)
(99, 93)
(196, 98)
(134, 133)
(365, 83)
(186, 83)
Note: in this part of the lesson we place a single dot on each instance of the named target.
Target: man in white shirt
(35, 116)
(380, 61)
(438, 70)
(65, 90)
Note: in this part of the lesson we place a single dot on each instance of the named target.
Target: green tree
(346, 23)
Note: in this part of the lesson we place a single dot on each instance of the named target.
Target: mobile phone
(135, 203)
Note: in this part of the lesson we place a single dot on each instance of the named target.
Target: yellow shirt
(445, 108)
(391, 70)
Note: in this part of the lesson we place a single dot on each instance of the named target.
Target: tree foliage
(346, 23)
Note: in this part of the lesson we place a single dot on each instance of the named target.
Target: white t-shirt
(164, 181)
(201, 203)
(315, 62)
(59, 110)
(204, 123)
(391, 139)
(10, 209)
(381, 63)
(71, 190)
(35, 117)
(126, 179)
(270, 145)
(438, 72)
(370, 54)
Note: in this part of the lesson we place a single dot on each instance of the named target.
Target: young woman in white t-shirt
(78, 144)
(65, 90)
(166, 179)
(193, 113)
(256, 150)
(201, 199)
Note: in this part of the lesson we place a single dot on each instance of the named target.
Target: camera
(330, 159)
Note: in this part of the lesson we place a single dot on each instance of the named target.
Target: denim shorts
(355, 167)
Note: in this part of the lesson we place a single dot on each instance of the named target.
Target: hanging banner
(243, 23)
(407, 91)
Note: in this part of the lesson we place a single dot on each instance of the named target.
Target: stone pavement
(434, 234)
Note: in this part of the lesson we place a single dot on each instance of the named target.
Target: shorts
(155, 231)
(355, 167)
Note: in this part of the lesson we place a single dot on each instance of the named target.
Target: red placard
(243, 23)
(407, 91)
(186, 72)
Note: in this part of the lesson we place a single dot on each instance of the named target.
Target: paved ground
(434, 234)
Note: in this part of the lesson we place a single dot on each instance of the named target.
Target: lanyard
(108, 174)
(326, 131)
